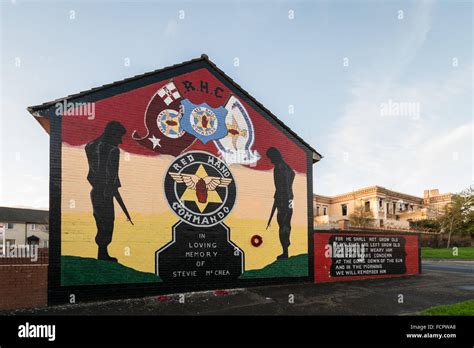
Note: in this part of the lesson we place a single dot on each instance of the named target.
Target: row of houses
(389, 209)
(24, 227)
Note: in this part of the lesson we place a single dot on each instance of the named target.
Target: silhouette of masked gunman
(103, 156)
(283, 177)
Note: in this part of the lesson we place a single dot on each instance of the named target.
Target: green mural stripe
(87, 271)
(294, 266)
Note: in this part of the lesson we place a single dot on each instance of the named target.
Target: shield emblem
(236, 146)
(204, 122)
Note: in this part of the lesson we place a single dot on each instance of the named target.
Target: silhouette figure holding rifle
(283, 177)
(103, 156)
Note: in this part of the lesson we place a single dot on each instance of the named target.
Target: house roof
(8, 214)
(41, 111)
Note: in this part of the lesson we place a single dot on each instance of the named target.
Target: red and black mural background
(198, 86)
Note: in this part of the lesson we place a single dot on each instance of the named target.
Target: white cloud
(418, 22)
(405, 153)
(401, 152)
(24, 157)
(30, 191)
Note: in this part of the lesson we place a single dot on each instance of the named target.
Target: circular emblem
(203, 120)
(200, 188)
(168, 123)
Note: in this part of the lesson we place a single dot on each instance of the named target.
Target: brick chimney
(426, 197)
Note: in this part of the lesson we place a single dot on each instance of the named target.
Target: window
(317, 210)
(394, 208)
(10, 226)
(367, 206)
(380, 203)
(33, 227)
(325, 211)
(45, 243)
(344, 209)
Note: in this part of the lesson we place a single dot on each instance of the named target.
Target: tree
(361, 218)
(458, 217)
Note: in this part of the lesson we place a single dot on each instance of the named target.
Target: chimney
(426, 197)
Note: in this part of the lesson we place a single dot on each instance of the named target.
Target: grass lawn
(443, 253)
(461, 308)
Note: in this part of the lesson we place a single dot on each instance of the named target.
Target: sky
(382, 89)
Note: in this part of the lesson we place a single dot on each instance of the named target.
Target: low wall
(351, 255)
(24, 282)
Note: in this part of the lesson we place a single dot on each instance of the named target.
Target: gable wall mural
(180, 182)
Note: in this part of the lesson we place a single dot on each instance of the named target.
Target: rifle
(271, 214)
(119, 199)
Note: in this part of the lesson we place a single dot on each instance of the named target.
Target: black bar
(259, 330)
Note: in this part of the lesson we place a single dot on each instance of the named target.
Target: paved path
(441, 283)
(467, 268)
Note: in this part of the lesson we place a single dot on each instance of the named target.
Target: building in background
(390, 209)
(24, 226)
